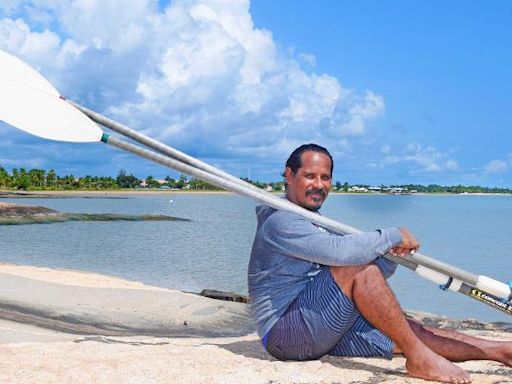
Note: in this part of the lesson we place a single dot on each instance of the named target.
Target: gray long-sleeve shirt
(289, 250)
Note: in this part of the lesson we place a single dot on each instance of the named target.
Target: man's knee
(352, 272)
(346, 276)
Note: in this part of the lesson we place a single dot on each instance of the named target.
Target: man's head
(308, 176)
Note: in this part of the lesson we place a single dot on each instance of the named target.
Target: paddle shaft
(33, 89)
(229, 185)
(278, 203)
(158, 146)
(197, 164)
(449, 283)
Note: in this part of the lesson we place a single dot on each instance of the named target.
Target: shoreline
(14, 194)
(112, 192)
(75, 277)
(89, 279)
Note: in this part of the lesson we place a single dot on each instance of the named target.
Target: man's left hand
(409, 244)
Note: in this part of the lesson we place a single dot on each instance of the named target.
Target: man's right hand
(409, 244)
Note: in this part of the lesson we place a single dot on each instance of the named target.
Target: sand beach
(60, 326)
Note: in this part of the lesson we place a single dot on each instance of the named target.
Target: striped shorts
(322, 320)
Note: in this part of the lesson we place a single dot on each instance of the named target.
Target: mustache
(319, 191)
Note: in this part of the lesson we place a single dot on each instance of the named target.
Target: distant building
(399, 191)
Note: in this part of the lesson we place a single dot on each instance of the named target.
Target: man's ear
(289, 175)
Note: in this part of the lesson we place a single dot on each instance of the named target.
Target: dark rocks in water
(438, 321)
(118, 217)
(8, 209)
(14, 214)
(27, 214)
(226, 296)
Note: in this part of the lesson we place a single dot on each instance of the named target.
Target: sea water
(212, 250)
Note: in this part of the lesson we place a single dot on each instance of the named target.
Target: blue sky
(399, 91)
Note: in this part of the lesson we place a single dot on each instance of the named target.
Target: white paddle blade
(17, 71)
(45, 115)
(36, 108)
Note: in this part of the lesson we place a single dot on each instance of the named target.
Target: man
(314, 292)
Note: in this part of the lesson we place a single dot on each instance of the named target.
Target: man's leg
(369, 291)
(456, 346)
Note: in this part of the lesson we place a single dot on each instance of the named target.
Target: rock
(14, 214)
(438, 321)
(226, 296)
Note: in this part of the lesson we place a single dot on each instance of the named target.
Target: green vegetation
(272, 186)
(434, 188)
(418, 188)
(38, 179)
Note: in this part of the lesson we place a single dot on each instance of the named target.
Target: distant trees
(125, 181)
(5, 178)
(200, 185)
(170, 181)
(20, 179)
(182, 180)
(51, 179)
(151, 182)
(254, 182)
(39, 179)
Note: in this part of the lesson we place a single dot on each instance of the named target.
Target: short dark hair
(294, 162)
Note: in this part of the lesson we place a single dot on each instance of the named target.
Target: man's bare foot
(425, 364)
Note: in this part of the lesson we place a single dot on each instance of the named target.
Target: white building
(357, 189)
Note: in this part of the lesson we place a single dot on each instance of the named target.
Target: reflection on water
(212, 250)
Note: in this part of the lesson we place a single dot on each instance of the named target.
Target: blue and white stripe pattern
(323, 320)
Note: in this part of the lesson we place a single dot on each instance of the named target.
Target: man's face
(311, 184)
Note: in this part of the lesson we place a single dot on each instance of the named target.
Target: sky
(398, 91)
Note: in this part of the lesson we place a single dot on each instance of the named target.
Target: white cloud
(451, 165)
(24, 163)
(308, 59)
(9, 6)
(45, 49)
(496, 166)
(199, 74)
(418, 158)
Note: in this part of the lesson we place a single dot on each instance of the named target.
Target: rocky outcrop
(13, 214)
(226, 296)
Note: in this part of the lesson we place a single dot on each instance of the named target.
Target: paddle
(428, 268)
(50, 117)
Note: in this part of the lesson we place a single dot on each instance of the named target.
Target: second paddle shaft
(489, 285)
(265, 196)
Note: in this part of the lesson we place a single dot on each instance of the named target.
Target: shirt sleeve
(386, 266)
(292, 235)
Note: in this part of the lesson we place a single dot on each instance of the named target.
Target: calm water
(211, 251)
